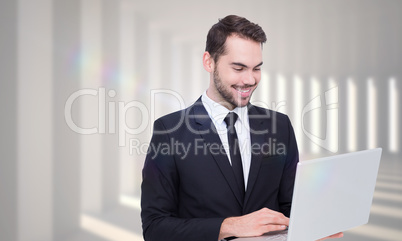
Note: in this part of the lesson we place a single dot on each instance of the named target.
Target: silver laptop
(331, 195)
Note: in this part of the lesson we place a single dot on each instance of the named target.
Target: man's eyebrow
(245, 66)
(239, 64)
(258, 65)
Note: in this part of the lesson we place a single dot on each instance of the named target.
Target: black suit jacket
(188, 186)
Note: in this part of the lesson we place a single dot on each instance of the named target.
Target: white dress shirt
(217, 113)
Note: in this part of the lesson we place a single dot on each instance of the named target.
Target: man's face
(236, 74)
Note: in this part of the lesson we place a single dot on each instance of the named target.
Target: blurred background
(81, 82)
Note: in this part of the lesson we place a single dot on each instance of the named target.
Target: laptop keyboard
(277, 237)
(271, 236)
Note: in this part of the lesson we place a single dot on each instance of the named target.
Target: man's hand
(253, 224)
(338, 235)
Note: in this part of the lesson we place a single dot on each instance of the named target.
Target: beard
(225, 92)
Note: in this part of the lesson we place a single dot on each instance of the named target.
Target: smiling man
(231, 182)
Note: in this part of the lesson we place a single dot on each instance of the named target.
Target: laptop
(331, 195)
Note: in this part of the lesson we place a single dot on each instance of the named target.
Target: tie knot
(230, 119)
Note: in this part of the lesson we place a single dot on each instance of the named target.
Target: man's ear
(208, 62)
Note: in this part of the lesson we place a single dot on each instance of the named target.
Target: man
(211, 174)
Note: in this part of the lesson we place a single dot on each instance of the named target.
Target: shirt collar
(218, 112)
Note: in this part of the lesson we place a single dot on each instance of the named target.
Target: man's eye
(257, 69)
(238, 69)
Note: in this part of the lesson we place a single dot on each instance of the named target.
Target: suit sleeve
(289, 173)
(160, 198)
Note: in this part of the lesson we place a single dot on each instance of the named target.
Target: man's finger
(274, 217)
(271, 228)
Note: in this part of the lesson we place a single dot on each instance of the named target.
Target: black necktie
(234, 151)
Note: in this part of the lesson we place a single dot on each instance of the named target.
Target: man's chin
(243, 103)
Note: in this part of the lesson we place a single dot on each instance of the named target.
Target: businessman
(222, 168)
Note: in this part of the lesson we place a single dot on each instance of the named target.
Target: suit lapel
(208, 132)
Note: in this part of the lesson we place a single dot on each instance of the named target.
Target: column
(380, 52)
(199, 76)
(381, 114)
(343, 135)
(315, 114)
(92, 110)
(127, 89)
(363, 109)
(8, 127)
(34, 121)
(281, 89)
(186, 82)
(66, 142)
(399, 113)
(111, 82)
(298, 104)
(394, 81)
(334, 57)
(332, 108)
(350, 89)
(141, 91)
(133, 38)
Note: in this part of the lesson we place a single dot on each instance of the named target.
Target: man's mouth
(243, 92)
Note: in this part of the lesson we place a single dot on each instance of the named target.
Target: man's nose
(249, 78)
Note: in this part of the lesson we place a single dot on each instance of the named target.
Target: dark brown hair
(228, 26)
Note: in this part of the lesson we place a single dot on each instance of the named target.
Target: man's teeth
(243, 91)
